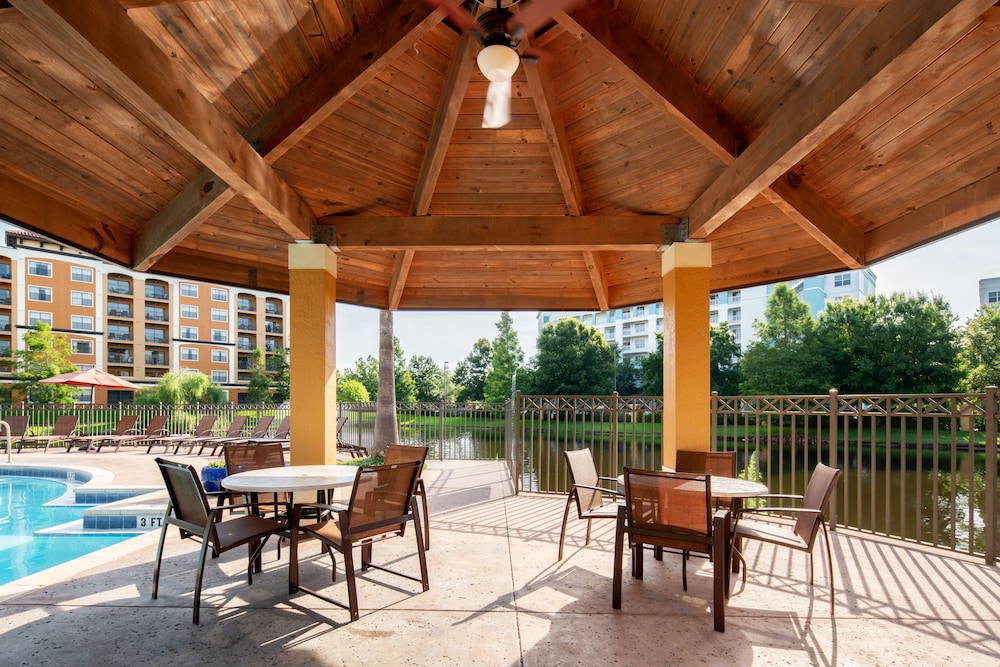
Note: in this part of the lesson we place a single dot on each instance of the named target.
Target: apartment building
(634, 329)
(989, 291)
(135, 325)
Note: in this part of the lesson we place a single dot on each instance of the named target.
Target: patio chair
(17, 426)
(593, 501)
(801, 535)
(381, 504)
(202, 430)
(280, 434)
(188, 509)
(405, 454)
(87, 442)
(242, 457)
(235, 430)
(156, 428)
(62, 430)
(707, 463)
(673, 510)
(349, 448)
(260, 430)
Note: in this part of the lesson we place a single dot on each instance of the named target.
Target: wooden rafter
(312, 101)
(672, 90)
(886, 48)
(500, 233)
(114, 50)
(599, 277)
(399, 273)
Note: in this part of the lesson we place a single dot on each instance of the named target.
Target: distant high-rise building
(131, 324)
(634, 329)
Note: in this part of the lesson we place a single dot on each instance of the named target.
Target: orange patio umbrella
(92, 377)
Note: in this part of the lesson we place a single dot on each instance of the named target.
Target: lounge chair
(381, 505)
(62, 431)
(260, 430)
(235, 430)
(280, 434)
(188, 509)
(202, 430)
(18, 428)
(157, 428)
(342, 446)
(126, 426)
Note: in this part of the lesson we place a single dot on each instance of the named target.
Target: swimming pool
(29, 505)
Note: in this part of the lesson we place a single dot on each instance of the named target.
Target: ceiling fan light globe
(498, 62)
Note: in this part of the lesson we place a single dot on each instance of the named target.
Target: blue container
(211, 479)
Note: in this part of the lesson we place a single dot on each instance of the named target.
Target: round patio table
(291, 479)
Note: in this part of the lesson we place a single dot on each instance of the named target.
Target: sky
(950, 268)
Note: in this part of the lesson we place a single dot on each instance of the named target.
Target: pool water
(28, 505)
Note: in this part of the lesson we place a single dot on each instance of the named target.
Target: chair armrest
(599, 488)
(779, 496)
(608, 479)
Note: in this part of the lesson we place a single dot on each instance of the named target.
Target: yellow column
(312, 351)
(686, 369)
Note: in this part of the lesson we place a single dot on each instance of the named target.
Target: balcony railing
(120, 358)
(156, 359)
(272, 309)
(246, 305)
(156, 340)
(119, 289)
(117, 335)
(245, 325)
(156, 293)
(119, 312)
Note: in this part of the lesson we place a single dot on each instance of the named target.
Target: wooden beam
(306, 106)
(109, 46)
(673, 91)
(855, 4)
(555, 135)
(895, 43)
(139, 4)
(399, 273)
(455, 84)
(499, 233)
(36, 210)
(961, 209)
(599, 277)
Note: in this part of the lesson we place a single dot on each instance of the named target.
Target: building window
(156, 313)
(189, 354)
(189, 289)
(993, 297)
(36, 268)
(639, 344)
(734, 296)
(82, 323)
(713, 317)
(220, 336)
(118, 332)
(220, 315)
(734, 315)
(82, 346)
(640, 311)
(220, 377)
(36, 293)
(640, 328)
(842, 280)
(37, 316)
(189, 333)
(220, 356)
(713, 299)
(82, 299)
(189, 312)
(219, 294)
(81, 274)
(116, 286)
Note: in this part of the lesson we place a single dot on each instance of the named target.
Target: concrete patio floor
(498, 597)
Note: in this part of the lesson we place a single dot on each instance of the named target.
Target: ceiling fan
(499, 31)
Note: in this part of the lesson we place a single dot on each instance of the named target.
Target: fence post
(713, 427)
(441, 430)
(991, 475)
(832, 454)
(615, 407)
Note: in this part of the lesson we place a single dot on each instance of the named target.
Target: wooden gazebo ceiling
(199, 138)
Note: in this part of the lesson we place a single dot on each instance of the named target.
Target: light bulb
(498, 62)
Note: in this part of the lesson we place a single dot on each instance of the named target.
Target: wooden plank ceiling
(199, 138)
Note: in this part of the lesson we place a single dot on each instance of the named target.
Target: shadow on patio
(499, 597)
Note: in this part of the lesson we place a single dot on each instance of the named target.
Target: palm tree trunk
(386, 425)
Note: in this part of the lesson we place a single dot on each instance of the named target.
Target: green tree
(470, 374)
(45, 354)
(406, 387)
(890, 344)
(626, 373)
(365, 371)
(427, 377)
(181, 389)
(573, 358)
(651, 370)
(980, 350)
(507, 357)
(259, 385)
(351, 390)
(724, 358)
(282, 375)
(784, 359)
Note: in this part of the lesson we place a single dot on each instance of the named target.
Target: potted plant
(212, 475)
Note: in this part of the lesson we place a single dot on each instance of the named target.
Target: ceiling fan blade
(496, 113)
(537, 14)
(462, 19)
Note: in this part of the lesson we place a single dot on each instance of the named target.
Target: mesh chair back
(261, 427)
(205, 426)
(65, 425)
(817, 495)
(405, 454)
(126, 424)
(380, 499)
(236, 426)
(18, 425)
(675, 503)
(240, 457)
(156, 426)
(187, 497)
(707, 463)
(283, 428)
(583, 471)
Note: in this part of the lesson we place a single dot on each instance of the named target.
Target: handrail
(4, 426)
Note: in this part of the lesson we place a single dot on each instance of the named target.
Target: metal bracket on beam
(674, 233)
(326, 234)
